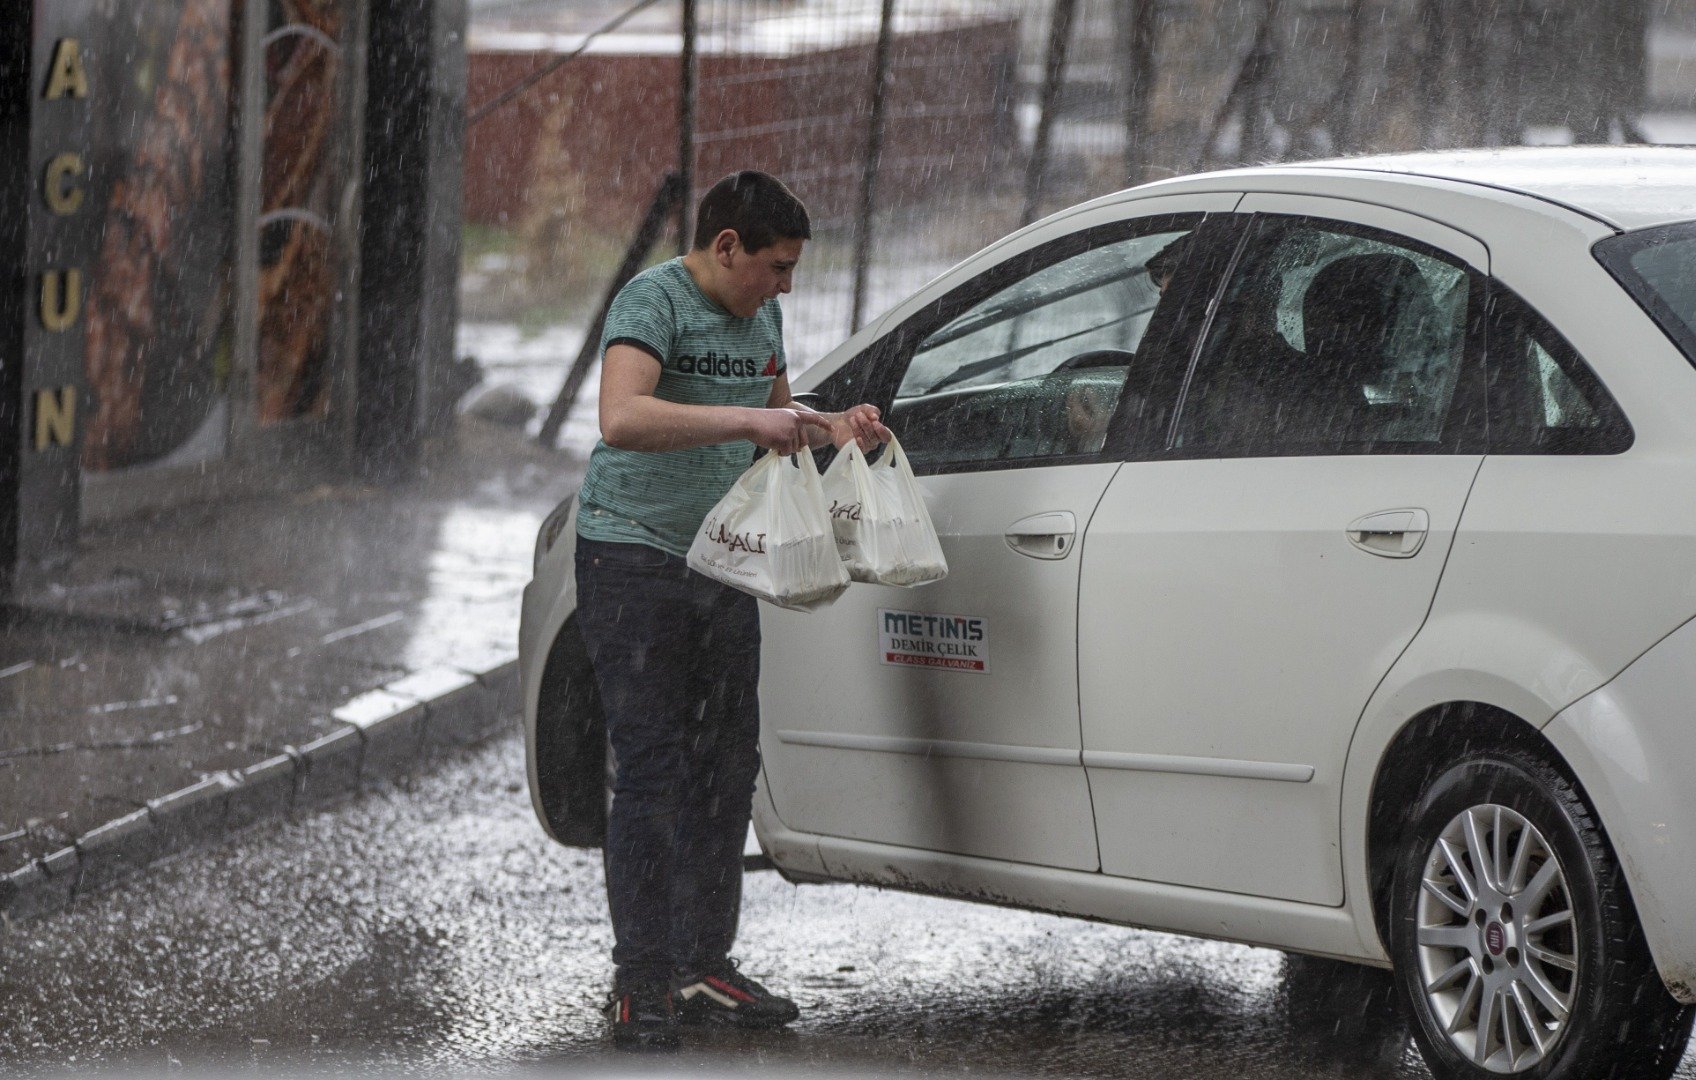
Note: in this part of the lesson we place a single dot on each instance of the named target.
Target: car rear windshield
(1658, 268)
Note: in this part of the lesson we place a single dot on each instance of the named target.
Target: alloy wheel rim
(1497, 939)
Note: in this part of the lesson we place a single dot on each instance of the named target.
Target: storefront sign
(49, 232)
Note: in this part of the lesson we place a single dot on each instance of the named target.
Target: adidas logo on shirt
(728, 366)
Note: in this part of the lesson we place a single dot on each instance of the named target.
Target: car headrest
(1351, 306)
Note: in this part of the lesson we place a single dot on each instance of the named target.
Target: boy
(693, 371)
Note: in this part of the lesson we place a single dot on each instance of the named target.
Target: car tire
(1536, 966)
(570, 741)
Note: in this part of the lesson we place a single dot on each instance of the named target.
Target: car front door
(945, 717)
(1247, 585)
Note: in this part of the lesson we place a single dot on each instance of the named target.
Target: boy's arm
(632, 418)
(860, 423)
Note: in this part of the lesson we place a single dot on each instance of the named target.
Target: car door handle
(1393, 534)
(1044, 536)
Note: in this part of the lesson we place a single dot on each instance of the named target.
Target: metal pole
(344, 374)
(1137, 31)
(1257, 100)
(874, 154)
(1059, 37)
(1474, 28)
(243, 389)
(686, 128)
(1341, 118)
(1633, 87)
(1433, 90)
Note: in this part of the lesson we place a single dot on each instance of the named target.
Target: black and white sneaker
(641, 1017)
(723, 995)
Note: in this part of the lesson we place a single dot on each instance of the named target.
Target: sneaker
(723, 995)
(641, 1017)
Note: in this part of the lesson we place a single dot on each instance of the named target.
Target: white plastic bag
(770, 536)
(883, 529)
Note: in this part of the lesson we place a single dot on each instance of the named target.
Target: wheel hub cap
(1495, 938)
(1497, 942)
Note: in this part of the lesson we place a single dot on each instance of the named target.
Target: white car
(1327, 585)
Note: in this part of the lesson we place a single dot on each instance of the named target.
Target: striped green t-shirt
(707, 357)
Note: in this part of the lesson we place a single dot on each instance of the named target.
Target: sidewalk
(195, 671)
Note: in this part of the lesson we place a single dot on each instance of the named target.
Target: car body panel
(1631, 743)
(1307, 928)
(793, 854)
(1227, 621)
(1618, 188)
(1626, 187)
(980, 759)
(1562, 575)
(549, 599)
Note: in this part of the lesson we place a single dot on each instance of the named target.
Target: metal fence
(955, 133)
(919, 130)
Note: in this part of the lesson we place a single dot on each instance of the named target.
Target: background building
(231, 232)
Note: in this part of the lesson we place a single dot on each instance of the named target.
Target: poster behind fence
(160, 340)
(304, 172)
(157, 344)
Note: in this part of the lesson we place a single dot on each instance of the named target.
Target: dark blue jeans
(677, 659)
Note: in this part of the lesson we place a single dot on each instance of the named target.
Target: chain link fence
(919, 130)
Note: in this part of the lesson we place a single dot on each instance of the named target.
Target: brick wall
(597, 135)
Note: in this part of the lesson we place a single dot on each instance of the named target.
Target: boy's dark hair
(757, 205)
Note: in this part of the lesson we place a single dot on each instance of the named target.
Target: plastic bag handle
(892, 448)
(810, 465)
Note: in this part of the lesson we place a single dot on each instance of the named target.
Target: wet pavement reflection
(431, 928)
(212, 637)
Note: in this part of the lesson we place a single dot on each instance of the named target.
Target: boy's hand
(784, 430)
(860, 424)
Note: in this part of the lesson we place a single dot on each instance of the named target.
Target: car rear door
(945, 717)
(1247, 584)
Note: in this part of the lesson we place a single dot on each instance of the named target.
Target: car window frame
(1616, 434)
(1615, 254)
(876, 373)
(1464, 428)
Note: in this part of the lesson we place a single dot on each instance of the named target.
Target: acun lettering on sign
(61, 290)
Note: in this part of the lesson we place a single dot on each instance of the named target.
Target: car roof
(1625, 187)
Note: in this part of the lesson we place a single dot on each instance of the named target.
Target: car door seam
(1077, 658)
(1430, 606)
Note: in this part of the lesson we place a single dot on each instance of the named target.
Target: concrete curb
(382, 735)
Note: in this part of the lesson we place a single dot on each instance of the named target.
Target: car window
(1658, 267)
(1543, 398)
(1037, 369)
(1330, 339)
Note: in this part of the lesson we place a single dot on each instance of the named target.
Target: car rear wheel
(1516, 944)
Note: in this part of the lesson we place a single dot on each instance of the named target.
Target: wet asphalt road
(433, 929)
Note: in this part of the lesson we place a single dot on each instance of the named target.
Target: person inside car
(1090, 402)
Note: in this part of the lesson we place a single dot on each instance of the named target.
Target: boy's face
(753, 277)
